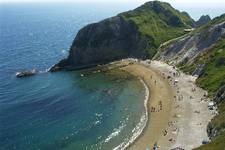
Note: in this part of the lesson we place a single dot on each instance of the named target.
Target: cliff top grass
(159, 21)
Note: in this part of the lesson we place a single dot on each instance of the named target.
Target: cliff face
(135, 33)
(186, 49)
(105, 41)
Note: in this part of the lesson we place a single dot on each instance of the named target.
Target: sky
(194, 7)
(194, 3)
(205, 2)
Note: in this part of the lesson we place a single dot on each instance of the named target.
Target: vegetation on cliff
(213, 73)
(204, 19)
(159, 22)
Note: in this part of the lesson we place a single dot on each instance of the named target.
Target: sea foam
(140, 126)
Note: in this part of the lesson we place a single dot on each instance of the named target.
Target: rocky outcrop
(102, 42)
(203, 20)
(186, 49)
(212, 132)
(220, 95)
(135, 33)
(199, 70)
(26, 73)
(219, 98)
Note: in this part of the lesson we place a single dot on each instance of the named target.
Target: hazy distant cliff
(136, 33)
(202, 20)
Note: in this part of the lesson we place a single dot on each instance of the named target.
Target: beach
(177, 108)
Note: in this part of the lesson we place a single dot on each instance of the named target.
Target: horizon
(193, 3)
(193, 8)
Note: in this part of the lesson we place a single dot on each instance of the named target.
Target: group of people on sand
(179, 97)
(154, 81)
(171, 125)
(159, 108)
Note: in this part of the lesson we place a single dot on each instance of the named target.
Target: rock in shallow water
(26, 73)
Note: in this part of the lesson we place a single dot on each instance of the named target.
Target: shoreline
(180, 123)
(136, 135)
(157, 121)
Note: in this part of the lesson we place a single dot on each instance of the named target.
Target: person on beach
(153, 109)
(160, 105)
(165, 133)
(155, 147)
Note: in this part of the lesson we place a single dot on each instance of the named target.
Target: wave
(139, 128)
(115, 133)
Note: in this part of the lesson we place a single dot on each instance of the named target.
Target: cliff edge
(137, 33)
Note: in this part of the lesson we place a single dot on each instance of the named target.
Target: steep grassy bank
(216, 144)
(159, 22)
(213, 74)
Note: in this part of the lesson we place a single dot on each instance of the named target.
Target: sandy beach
(178, 113)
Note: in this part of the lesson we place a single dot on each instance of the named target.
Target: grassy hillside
(214, 71)
(159, 22)
(215, 144)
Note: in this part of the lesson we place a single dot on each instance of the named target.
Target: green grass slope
(214, 72)
(159, 22)
(215, 144)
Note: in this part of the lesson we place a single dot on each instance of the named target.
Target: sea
(62, 110)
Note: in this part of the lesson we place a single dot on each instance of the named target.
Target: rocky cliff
(186, 49)
(136, 33)
(102, 42)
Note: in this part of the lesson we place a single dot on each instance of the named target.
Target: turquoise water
(63, 110)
